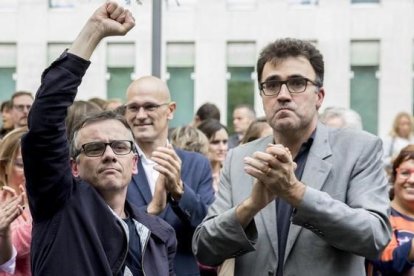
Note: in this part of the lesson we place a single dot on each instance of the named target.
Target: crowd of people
(106, 187)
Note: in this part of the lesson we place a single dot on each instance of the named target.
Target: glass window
(120, 68)
(241, 4)
(180, 70)
(8, 5)
(364, 1)
(58, 4)
(365, 83)
(8, 54)
(181, 4)
(241, 58)
(303, 2)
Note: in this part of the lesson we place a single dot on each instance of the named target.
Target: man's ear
(172, 106)
(75, 167)
(321, 96)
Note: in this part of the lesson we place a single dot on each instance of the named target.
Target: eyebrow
(278, 78)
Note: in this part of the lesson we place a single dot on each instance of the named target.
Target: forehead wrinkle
(100, 133)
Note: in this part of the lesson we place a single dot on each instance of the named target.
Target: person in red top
(398, 256)
(10, 208)
(12, 180)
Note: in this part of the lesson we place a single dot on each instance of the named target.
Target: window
(120, 68)
(8, 59)
(365, 1)
(59, 4)
(180, 71)
(241, 57)
(67, 4)
(303, 2)
(364, 83)
(413, 78)
(241, 4)
(180, 5)
(8, 5)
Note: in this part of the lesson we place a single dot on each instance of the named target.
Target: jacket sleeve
(45, 148)
(197, 197)
(172, 250)
(360, 224)
(220, 236)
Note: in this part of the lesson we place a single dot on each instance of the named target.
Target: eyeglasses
(294, 85)
(95, 149)
(405, 173)
(21, 107)
(148, 107)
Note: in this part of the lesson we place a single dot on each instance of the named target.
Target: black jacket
(74, 230)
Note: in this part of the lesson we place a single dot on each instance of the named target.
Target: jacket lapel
(314, 175)
(141, 183)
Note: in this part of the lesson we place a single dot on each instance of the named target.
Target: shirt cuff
(10, 265)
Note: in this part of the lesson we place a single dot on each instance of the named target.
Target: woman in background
(400, 136)
(398, 256)
(217, 136)
(12, 179)
(189, 138)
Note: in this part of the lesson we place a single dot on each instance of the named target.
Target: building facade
(209, 50)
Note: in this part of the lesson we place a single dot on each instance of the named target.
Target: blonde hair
(190, 138)
(394, 130)
(9, 147)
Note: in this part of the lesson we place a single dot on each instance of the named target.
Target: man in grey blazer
(308, 200)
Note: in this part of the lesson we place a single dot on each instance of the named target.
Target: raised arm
(45, 148)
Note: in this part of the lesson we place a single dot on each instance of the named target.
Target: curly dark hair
(290, 47)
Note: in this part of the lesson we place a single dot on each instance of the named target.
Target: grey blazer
(342, 218)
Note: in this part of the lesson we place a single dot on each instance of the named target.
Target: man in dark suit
(82, 223)
(173, 184)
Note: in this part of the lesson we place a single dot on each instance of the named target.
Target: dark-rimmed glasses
(95, 149)
(294, 85)
(148, 107)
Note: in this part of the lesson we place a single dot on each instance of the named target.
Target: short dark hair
(208, 111)
(94, 118)
(210, 127)
(18, 94)
(291, 47)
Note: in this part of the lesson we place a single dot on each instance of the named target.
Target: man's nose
(141, 113)
(109, 153)
(284, 92)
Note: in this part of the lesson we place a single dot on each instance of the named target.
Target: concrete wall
(210, 25)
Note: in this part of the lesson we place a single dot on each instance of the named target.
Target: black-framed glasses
(95, 149)
(148, 107)
(21, 107)
(294, 85)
